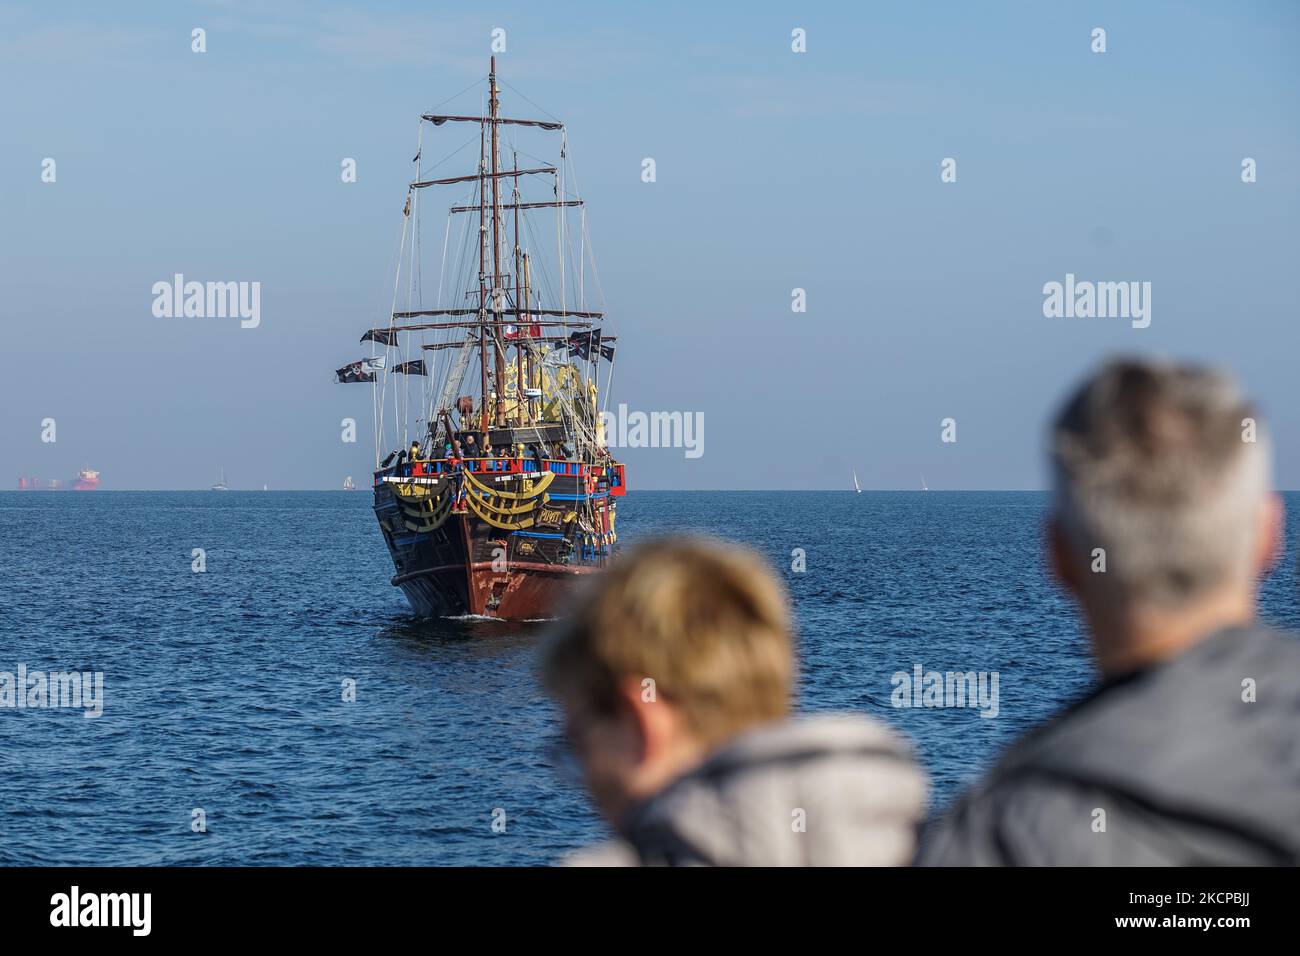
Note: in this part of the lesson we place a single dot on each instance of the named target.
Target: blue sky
(775, 170)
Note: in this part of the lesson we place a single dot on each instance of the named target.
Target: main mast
(494, 300)
(482, 276)
(497, 291)
(519, 329)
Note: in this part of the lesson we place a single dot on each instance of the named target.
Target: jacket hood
(818, 791)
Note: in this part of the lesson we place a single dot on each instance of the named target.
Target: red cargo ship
(86, 480)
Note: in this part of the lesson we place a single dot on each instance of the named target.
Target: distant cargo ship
(86, 480)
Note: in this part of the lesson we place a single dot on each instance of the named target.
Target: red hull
(523, 593)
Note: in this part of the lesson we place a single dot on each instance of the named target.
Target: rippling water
(223, 689)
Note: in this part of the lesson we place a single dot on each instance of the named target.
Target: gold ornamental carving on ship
(507, 510)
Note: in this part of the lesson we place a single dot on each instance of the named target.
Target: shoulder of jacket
(608, 853)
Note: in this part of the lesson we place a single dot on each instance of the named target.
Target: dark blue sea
(223, 689)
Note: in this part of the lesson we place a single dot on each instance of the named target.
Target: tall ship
(221, 481)
(498, 490)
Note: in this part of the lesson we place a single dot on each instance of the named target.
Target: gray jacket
(820, 791)
(1172, 761)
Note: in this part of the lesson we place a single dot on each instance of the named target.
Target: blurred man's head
(676, 649)
(1164, 516)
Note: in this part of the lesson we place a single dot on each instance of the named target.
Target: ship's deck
(610, 474)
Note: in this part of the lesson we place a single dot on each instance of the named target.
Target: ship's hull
(513, 552)
(521, 593)
(80, 483)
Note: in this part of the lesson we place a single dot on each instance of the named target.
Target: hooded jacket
(1193, 761)
(819, 791)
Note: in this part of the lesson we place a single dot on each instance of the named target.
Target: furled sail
(438, 120)
(501, 174)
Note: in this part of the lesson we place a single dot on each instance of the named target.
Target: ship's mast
(497, 292)
(489, 318)
(532, 372)
(519, 329)
(482, 273)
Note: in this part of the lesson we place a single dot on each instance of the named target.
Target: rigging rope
(577, 412)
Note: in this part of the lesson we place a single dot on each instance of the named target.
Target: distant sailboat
(856, 487)
(265, 488)
(923, 488)
(348, 485)
(221, 481)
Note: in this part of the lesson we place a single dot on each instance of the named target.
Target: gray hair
(1164, 467)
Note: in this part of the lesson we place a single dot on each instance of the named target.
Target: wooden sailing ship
(501, 491)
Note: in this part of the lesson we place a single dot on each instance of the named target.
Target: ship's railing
(422, 467)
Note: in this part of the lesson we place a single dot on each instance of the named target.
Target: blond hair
(708, 623)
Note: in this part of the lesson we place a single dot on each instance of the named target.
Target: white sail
(856, 487)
